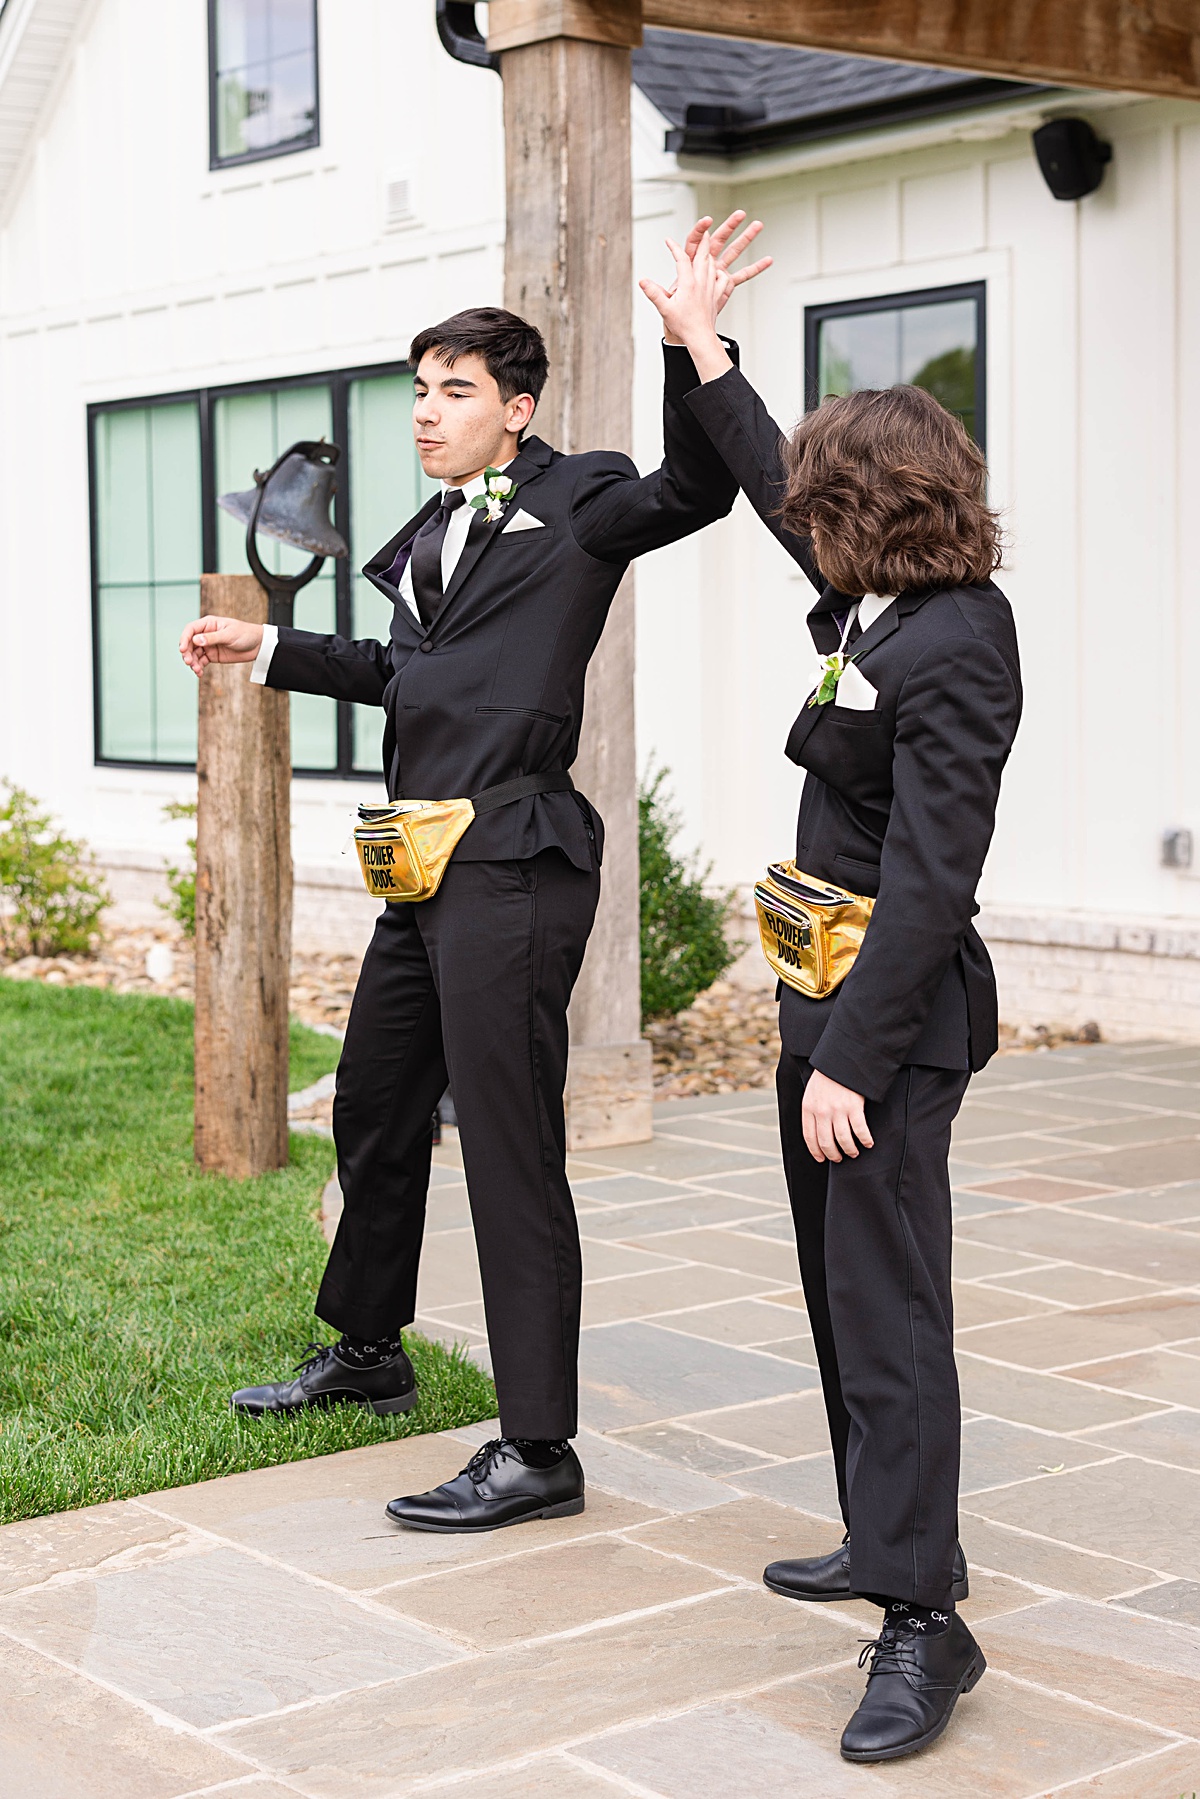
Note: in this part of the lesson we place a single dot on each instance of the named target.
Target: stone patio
(270, 1635)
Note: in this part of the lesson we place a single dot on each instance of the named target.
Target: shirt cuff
(266, 650)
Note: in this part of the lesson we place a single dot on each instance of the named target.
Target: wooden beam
(1142, 46)
(512, 23)
(569, 268)
(243, 906)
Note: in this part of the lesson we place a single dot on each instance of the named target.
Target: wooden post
(243, 906)
(569, 269)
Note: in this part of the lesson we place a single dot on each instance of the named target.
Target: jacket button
(426, 645)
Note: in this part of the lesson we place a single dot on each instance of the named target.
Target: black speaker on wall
(1071, 157)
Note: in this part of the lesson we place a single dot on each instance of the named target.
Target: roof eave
(880, 138)
(745, 140)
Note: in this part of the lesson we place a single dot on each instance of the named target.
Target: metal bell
(290, 501)
(296, 497)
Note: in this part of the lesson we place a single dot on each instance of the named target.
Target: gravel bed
(726, 1042)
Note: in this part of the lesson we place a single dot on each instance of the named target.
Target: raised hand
(724, 253)
(704, 280)
(215, 639)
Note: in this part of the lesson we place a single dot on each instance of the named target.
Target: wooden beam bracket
(514, 23)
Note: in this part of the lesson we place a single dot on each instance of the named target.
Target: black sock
(539, 1452)
(363, 1352)
(921, 1620)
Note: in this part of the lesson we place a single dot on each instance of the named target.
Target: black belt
(492, 798)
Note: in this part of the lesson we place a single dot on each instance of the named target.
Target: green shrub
(182, 881)
(684, 949)
(50, 901)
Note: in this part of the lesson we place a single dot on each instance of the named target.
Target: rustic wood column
(243, 906)
(569, 269)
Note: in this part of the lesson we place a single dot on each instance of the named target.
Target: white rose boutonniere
(498, 489)
(832, 670)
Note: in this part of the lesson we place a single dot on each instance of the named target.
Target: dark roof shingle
(724, 96)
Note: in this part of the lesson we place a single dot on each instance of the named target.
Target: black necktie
(425, 562)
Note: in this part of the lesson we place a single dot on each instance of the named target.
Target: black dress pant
(473, 985)
(874, 1241)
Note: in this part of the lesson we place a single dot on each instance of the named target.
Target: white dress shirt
(453, 545)
(871, 607)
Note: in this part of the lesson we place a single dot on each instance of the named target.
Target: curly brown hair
(893, 493)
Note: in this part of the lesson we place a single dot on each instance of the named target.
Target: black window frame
(815, 317)
(294, 145)
(338, 381)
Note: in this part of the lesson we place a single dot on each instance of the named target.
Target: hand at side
(833, 1118)
(214, 639)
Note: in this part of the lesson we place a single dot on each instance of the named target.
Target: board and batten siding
(1093, 334)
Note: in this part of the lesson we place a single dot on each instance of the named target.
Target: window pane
(266, 75)
(174, 452)
(123, 495)
(859, 351)
(388, 486)
(931, 345)
(249, 431)
(148, 567)
(174, 684)
(939, 354)
(314, 718)
(126, 652)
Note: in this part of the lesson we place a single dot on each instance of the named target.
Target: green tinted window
(147, 499)
(152, 539)
(249, 431)
(934, 344)
(388, 488)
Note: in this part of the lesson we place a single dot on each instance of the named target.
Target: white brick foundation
(1133, 977)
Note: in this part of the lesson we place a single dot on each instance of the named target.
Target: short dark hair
(895, 490)
(513, 351)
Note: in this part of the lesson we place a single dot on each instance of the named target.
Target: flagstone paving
(270, 1634)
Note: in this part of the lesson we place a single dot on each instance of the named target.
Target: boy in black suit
(880, 497)
(497, 608)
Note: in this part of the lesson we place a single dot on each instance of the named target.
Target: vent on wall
(398, 203)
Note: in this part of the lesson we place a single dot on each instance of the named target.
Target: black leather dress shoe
(323, 1379)
(494, 1489)
(912, 1688)
(822, 1577)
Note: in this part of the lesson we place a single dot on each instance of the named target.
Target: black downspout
(461, 36)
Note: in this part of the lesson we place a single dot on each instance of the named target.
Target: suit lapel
(877, 632)
(381, 562)
(524, 470)
(823, 627)
(383, 559)
(825, 634)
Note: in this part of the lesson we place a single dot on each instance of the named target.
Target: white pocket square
(523, 521)
(854, 691)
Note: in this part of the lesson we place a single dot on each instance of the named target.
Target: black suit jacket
(899, 802)
(494, 687)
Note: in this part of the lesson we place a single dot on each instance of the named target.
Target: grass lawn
(135, 1292)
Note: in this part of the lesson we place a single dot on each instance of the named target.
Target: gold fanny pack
(811, 932)
(404, 848)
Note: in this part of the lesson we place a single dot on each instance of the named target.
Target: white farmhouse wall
(127, 268)
(1093, 397)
